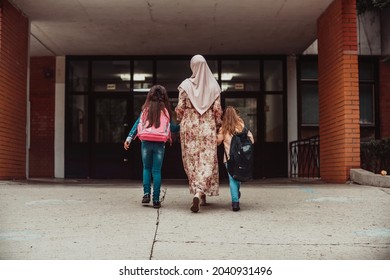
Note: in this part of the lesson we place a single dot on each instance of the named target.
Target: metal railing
(305, 158)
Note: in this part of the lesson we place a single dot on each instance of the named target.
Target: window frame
(374, 82)
(312, 129)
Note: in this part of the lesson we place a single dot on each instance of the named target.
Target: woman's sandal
(203, 200)
(195, 204)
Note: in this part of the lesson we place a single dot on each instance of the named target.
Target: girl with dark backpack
(153, 128)
(232, 125)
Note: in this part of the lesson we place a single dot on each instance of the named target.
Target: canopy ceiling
(167, 27)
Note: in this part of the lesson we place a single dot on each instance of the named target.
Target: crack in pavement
(164, 192)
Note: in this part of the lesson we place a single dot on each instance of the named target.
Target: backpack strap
(141, 119)
(166, 113)
(225, 153)
(243, 132)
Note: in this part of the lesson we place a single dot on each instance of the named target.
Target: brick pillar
(14, 32)
(338, 91)
(384, 98)
(42, 98)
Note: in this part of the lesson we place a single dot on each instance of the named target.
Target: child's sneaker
(156, 204)
(235, 206)
(146, 198)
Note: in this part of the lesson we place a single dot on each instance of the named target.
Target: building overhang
(152, 27)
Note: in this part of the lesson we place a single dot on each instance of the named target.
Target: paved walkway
(99, 220)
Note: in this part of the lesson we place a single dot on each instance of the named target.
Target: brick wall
(42, 98)
(338, 91)
(384, 99)
(13, 91)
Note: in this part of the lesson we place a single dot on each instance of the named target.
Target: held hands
(126, 145)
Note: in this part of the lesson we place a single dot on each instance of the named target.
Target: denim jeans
(234, 187)
(152, 159)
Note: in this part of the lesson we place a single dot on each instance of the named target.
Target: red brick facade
(338, 91)
(14, 34)
(338, 96)
(42, 98)
(384, 99)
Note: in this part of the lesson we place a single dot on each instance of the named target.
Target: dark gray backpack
(240, 163)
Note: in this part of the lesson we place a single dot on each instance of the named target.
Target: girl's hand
(126, 145)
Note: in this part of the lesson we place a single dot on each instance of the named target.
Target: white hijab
(201, 87)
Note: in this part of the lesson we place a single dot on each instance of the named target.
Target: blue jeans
(152, 159)
(234, 187)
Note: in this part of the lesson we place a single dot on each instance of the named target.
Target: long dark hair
(156, 101)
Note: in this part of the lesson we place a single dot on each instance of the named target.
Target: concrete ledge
(364, 177)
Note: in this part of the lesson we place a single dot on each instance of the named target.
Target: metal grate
(305, 158)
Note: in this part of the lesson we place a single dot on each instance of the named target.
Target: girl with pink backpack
(153, 128)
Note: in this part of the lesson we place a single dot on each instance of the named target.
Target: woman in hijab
(199, 113)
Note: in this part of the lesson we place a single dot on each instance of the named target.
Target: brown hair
(231, 121)
(156, 101)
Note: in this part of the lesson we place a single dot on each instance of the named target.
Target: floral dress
(199, 144)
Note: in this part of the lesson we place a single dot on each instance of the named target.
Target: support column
(59, 124)
(338, 91)
(42, 98)
(14, 27)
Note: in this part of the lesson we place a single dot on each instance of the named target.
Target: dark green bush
(375, 155)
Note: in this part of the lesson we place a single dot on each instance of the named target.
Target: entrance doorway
(104, 97)
(107, 153)
(263, 115)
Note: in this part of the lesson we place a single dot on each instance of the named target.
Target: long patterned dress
(199, 144)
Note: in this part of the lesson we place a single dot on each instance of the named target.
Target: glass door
(104, 96)
(274, 146)
(274, 122)
(248, 111)
(108, 157)
(263, 115)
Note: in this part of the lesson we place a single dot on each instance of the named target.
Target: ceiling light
(139, 77)
(125, 77)
(141, 89)
(227, 76)
(225, 87)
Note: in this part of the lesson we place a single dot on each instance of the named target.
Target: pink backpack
(160, 134)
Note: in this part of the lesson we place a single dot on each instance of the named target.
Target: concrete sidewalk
(99, 220)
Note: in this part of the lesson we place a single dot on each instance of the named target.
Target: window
(143, 75)
(308, 97)
(79, 118)
(367, 93)
(111, 76)
(109, 115)
(273, 75)
(309, 70)
(309, 103)
(240, 75)
(170, 73)
(78, 71)
(366, 99)
(78, 86)
(273, 118)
